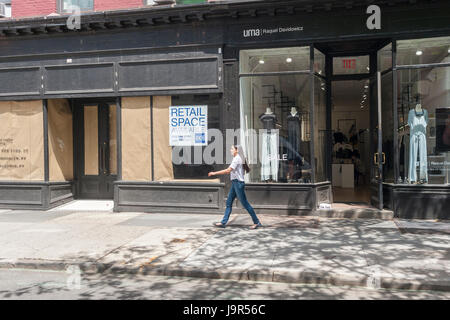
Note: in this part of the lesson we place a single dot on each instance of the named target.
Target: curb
(257, 275)
(87, 267)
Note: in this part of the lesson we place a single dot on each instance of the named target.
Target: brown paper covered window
(60, 140)
(136, 141)
(21, 140)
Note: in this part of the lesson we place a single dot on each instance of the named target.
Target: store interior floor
(358, 195)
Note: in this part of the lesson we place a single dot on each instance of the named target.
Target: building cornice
(163, 15)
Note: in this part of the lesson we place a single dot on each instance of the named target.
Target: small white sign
(188, 126)
(326, 206)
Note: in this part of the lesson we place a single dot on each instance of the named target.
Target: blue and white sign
(188, 125)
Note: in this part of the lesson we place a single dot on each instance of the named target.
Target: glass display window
(423, 51)
(424, 125)
(275, 115)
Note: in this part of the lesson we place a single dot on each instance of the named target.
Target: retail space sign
(188, 125)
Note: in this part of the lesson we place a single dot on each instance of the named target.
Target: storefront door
(96, 155)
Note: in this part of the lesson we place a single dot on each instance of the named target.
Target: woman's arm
(221, 172)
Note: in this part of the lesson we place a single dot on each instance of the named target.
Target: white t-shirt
(237, 167)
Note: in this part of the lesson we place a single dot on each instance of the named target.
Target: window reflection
(274, 60)
(423, 51)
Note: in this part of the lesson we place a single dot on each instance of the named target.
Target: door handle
(376, 158)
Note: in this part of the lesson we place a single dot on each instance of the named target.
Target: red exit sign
(349, 63)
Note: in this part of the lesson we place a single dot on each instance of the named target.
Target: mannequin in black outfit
(268, 119)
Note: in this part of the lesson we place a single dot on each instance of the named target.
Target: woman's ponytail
(244, 159)
(246, 167)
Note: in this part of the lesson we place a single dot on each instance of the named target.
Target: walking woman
(236, 171)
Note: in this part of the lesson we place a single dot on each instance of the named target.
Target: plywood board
(60, 140)
(136, 139)
(162, 149)
(21, 140)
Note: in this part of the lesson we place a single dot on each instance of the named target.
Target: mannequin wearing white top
(269, 146)
(418, 108)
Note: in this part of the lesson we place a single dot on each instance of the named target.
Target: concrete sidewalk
(358, 252)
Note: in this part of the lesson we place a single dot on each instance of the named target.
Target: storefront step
(86, 205)
(344, 213)
(356, 213)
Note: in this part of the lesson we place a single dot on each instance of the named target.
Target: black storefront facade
(85, 113)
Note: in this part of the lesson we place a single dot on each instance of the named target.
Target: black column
(151, 139)
(395, 110)
(46, 157)
(329, 146)
(311, 115)
(119, 137)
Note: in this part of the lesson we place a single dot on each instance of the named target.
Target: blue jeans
(237, 190)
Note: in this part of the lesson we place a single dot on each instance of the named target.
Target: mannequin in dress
(269, 152)
(418, 121)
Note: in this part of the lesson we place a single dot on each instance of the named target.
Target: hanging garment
(353, 140)
(293, 124)
(269, 156)
(418, 145)
(338, 137)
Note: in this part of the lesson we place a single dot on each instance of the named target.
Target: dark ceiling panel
(351, 47)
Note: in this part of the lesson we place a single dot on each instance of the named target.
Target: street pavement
(369, 253)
